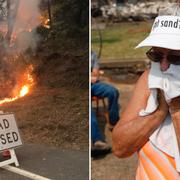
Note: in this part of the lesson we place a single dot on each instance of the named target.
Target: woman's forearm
(130, 136)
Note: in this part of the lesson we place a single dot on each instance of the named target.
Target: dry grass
(53, 116)
(56, 110)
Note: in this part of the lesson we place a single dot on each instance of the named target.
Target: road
(50, 162)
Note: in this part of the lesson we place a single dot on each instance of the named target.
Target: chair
(97, 101)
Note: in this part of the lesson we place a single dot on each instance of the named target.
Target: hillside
(55, 111)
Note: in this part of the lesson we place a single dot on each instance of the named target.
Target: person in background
(100, 89)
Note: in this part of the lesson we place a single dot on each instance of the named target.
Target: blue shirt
(94, 60)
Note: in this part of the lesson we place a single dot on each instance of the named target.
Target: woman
(146, 124)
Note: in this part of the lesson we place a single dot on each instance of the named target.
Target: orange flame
(25, 88)
(24, 91)
(45, 22)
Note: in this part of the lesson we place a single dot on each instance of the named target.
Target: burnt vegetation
(55, 112)
(66, 42)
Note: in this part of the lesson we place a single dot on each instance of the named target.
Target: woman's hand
(174, 105)
(163, 106)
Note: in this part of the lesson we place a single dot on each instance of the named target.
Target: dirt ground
(55, 112)
(110, 167)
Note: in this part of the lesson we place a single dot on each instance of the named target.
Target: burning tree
(18, 19)
(8, 12)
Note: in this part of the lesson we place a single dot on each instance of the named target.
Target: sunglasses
(157, 56)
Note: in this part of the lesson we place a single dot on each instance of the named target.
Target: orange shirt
(155, 164)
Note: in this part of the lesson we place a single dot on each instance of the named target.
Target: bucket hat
(165, 33)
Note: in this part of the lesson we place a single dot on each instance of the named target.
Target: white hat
(165, 33)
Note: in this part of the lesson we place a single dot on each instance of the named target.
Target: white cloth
(164, 136)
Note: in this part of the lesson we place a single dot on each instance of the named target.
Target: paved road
(51, 163)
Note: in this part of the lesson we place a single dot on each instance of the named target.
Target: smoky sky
(24, 23)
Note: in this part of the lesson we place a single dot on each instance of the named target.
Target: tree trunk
(11, 18)
(49, 12)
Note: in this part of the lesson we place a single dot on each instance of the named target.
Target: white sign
(9, 134)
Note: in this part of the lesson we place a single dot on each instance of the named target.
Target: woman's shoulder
(144, 77)
(139, 97)
(142, 83)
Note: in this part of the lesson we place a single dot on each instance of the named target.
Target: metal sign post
(9, 137)
(12, 160)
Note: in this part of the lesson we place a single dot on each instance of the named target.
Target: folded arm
(133, 131)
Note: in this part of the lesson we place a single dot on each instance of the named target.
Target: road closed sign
(9, 134)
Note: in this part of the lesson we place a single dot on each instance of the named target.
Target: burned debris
(129, 10)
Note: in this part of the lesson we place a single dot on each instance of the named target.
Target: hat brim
(161, 40)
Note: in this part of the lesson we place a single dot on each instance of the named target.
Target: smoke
(19, 32)
(24, 19)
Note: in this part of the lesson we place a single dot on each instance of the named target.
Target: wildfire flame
(24, 89)
(45, 22)
(27, 18)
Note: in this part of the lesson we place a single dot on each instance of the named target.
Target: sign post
(9, 137)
